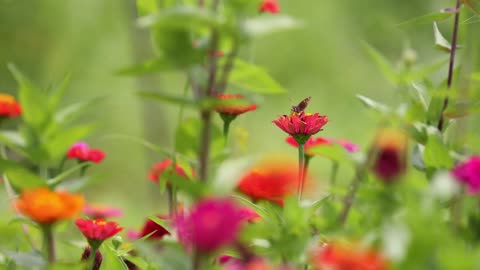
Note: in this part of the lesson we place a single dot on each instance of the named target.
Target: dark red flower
(390, 154)
(82, 152)
(96, 155)
(98, 257)
(158, 169)
(270, 6)
(97, 229)
(9, 107)
(238, 104)
(345, 257)
(302, 123)
(271, 181)
(151, 226)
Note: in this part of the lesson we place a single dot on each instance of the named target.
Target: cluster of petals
(96, 211)
(270, 6)
(97, 229)
(212, 224)
(159, 168)
(45, 206)
(301, 123)
(390, 154)
(9, 107)
(312, 142)
(347, 257)
(468, 173)
(271, 180)
(82, 152)
(151, 228)
(239, 104)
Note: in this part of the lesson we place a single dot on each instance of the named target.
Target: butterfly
(301, 106)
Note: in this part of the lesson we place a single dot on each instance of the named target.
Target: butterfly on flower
(301, 106)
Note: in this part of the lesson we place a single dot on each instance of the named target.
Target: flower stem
(334, 172)
(204, 153)
(49, 243)
(196, 261)
(301, 170)
(348, 201)
(451, 64)
(92, 257)
(171, 201)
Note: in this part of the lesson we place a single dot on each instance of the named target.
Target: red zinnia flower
(271, 181)
(97, 229)
(9, 107)
(239, 105)
(82, 152)
(95, 211)
(158, 169)
(270, 6)
(390, 154)
(302, 123)
(342, 257)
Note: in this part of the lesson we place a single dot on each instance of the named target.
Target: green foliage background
(325, 59)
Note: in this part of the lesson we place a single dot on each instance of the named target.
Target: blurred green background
(325, 60)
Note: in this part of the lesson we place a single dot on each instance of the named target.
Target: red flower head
(158, 168)
(96, 211)
(97, 229)
(212, 224)
(271, 181)
(312, 142)
(98, 257)
(301, 125)
(151, 226)
(82, 152)
(239, 105)
(390, 154)
(468, 173)
(9, 107)
(343, 257)
(270, 6)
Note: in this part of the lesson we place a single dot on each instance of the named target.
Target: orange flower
(344, 257)
(239, 105)
(271, 181)
(46, 207)
(9, 107)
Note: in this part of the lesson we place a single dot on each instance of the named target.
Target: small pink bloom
(349, 146)
(96, 155)
(79, 151)
(212, 224)
(301, 123)
(311, 142)
(249, 214)
(270, 6)
(95, 211)
(468, 173)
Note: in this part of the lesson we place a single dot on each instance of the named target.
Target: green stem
(348, 201)
(91, 258)
(196, 261)
(301, 170)
(334, 172)
(49, 243)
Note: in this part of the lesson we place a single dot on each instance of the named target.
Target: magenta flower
(95, 211)
(468, 173)
(79, 150)
(212, 224)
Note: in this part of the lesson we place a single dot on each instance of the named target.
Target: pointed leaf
(151, 66)
(21, 179)
(440, 42)
(382, 63)
(436, 154)
(259, 26)
(254, 79)
(372, 104)
(429, 18)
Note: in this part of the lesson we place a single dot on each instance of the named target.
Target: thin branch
(223, 81)
(451, 65)
(348, 201)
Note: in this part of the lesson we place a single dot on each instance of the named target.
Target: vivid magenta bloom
(271, 181)
(312, 142)
(211, 225)
(46, 207)
(270, 6)
(390, 154)
(158, 168)
(239, 105)
(9, 107)
(468, 173)
(82, 152)
(97, 229)
(96, 211)
(302, 123)
(345, 257)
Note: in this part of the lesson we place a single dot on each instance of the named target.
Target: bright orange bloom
(344, 257)
(234, 109)
(46, 207)
(271, 181)
(9, 107)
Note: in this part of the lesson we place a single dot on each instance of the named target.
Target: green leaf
(21, 178)
(177, 100)
(58, 93)
(34, 102)
(428, 18)
(436, 154)
(145, 7)
(435, 108)
(194, 189)
(160, 63)
(140, 141)
(13, 140)
(423, 72)
(184, 17)
(59, 144)
(474, 5)
(372, 104)
(187, 140)
(440, 42)
(63, 176)
(333, 152)
(259, 26)
(160, 222)
(110, 259)
(254, 79)
(382, 63)
(31, 260)
(72, 111)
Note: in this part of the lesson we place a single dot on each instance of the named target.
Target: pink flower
(301, 123)
(468, 173)
(311, 142)
(95, 211)
(82, 152)
(96, 155)
(270, 6)
(212, 224)
(249, 214)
